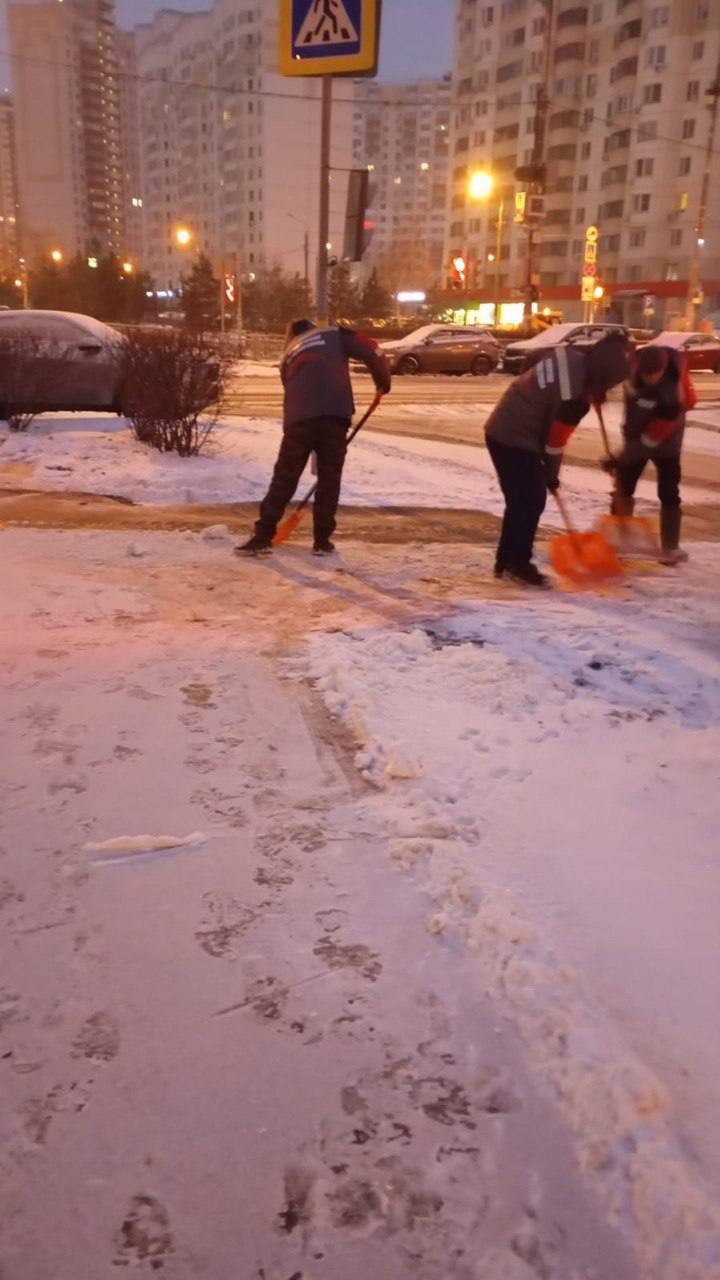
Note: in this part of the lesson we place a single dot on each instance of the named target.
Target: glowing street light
(56, 256)
(183, 237)
(480, 185)
(127, 268)
(93, 262)
(598, 292)
(18, 284)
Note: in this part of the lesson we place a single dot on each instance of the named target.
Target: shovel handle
(562, 507)
(603, 432)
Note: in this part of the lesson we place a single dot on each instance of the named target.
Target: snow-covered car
(702, 349)
(520, 356)
(73, 362)
(443, 348)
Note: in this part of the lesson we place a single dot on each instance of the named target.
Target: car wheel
(481, 366)
(716, 370)
(409, 364)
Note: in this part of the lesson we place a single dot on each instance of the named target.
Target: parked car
(702, 349)
(442, 348)
(73, 362)
(519, 356)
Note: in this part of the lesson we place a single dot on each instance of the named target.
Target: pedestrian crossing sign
(329, 37)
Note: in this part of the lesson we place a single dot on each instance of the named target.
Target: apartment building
(132, 214)
(627, 129)
(401, 133)
(9, 245)
(229, 149)
(68, 139)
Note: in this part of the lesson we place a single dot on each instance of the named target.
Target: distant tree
(201, 296)
(10, 295)
(375, 300)
(273, 299)
(104, 290)
(343, 298)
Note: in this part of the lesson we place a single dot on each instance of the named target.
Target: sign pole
(321, 300)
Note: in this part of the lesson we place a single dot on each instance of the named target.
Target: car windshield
(549, 337)
(417, 335)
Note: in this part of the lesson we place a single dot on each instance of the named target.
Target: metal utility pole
(321, 300)
(498, 257)
(537, 162)
(694, 274)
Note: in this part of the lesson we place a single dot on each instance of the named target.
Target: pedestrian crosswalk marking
(327, 22)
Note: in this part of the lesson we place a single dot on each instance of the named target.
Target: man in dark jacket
(656, 399)
(527, 432)
(318, 408)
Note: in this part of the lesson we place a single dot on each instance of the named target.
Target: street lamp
(56, 256)
(481, 185)
(127, 268)
(183, 237)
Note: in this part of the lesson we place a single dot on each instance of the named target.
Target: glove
(609, 465)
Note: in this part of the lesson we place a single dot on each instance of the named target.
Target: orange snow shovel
(584, 558)
(627, 534)
(290, 524)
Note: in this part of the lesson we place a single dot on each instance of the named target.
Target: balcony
(575, 17)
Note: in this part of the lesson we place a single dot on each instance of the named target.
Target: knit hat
(652, 360)
(296, 327)
(608, 364)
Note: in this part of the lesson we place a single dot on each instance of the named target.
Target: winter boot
(323, 547)
(621, 504)
(670, 522)
(258, 545)
(527, 575)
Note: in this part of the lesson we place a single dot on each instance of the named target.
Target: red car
(702, 349)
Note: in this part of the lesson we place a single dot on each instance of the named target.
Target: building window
(582, 182)
(597, 12)
(585, 150)
(685, 166)
(698, 50)
(655, 56)
(647, 131)
(637, 239)
(653, 93)
(644, 168)
(693, 91)
(641, 203)
(688, 129)
(579, 215)
(660, 17)
(676, 237)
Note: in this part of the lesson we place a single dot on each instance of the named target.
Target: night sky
(417, 34)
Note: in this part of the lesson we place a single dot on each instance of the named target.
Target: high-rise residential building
(67, 102)
(229, 149)
(401, 132)
(132, 215)
(9, 245)
(627, 130)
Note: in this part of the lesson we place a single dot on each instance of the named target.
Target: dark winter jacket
(654, 422)
(540, 410)
(316, 376)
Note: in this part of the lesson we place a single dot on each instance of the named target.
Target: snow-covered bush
(27, 374)
(172, 387)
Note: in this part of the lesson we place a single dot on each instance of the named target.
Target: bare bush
(27, 373)
(172, 387)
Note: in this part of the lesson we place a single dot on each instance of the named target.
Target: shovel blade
(629, 535)
(584, 558)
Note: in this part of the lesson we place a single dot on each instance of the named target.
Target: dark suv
(440, 348)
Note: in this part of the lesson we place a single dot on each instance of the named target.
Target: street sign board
(587, 291)
(329, 37)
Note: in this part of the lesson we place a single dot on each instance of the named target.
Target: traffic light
(535, 174)
(358, 228)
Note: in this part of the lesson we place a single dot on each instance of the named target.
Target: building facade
(626, 135)
(229, 150)
(401, 133)
(68, 138)
(9, 242)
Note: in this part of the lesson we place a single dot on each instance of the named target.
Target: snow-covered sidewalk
(99, 455)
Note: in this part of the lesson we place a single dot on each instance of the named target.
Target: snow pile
(557, 757)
